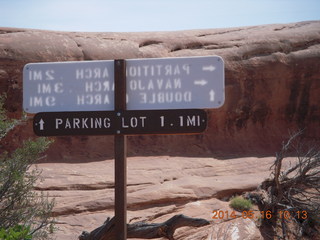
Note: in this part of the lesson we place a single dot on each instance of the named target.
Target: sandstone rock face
(272, 84)
(158, 188)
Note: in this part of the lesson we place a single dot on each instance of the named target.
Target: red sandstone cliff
(272, 84)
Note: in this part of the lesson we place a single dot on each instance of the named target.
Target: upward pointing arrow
(210, 68)
(41, 124)
(211, 93)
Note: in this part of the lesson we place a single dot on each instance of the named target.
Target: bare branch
(144, 230)
(295, 189)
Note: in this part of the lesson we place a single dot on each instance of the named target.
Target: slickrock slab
(158, 188)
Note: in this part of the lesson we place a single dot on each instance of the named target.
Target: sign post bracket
(120, 150)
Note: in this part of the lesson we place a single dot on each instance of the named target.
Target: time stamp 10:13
(250, 214)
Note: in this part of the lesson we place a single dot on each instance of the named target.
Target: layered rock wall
(272, 76)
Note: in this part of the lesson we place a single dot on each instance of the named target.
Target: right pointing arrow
(210, 68)
(201, 82)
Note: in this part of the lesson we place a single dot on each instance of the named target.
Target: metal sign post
(120, 149)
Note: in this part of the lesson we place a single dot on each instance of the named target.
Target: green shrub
(5, 124)
(20, 205)
(240, 204)
(18, 232)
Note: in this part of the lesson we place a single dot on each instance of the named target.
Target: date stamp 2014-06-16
(251, 214)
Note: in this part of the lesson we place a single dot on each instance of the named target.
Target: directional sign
(125, 122)
(74, 123)
(175, 83)
(68, 86)
(159, 83)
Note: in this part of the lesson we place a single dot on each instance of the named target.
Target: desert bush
(5, 124)
(16, 233)
(22, 210)
(240, 204)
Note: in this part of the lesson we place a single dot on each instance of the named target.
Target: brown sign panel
(135, 122)
(163, 121)
(74, 123)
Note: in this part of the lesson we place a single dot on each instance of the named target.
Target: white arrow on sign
(210, 68)
(41, 124)
(212, 93)
(201, 82)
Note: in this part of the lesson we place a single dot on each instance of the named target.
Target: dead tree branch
(295, 189)
(144, 230)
